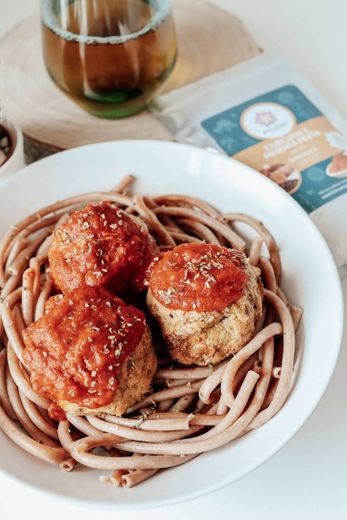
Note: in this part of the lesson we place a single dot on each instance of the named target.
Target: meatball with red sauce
(90, 353)
(101, 246)
(207, 300)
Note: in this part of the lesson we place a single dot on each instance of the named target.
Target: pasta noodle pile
(191, 409)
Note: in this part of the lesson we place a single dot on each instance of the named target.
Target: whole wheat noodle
(193, 409)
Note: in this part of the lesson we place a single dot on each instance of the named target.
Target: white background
(308, 478)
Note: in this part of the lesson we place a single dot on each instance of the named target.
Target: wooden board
(209, 40)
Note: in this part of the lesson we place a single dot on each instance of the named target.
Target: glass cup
(109, 56)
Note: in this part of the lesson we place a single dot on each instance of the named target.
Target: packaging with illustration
(266, 114)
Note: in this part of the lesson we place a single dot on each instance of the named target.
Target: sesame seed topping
(166, 295)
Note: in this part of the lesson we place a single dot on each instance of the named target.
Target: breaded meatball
(90, 353)
(207, 300)
(101, 246)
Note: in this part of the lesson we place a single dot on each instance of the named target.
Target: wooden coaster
(209, 40)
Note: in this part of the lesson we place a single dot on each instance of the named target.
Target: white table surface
(308, 478)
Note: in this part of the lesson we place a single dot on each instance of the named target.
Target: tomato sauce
(56, 413)
(101, 246)
(200, 277)
(76, 350)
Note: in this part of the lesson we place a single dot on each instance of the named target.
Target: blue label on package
(286, 138)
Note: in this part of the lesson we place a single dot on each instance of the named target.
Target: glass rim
(164, 9)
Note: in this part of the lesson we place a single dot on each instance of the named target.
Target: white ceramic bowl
(16, 161)
(310, 280)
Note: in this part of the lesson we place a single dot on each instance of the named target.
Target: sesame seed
(94, 373)
(118, 352)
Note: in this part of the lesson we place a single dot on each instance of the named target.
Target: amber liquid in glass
(109, 56)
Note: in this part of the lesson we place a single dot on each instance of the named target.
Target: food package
(267, 115)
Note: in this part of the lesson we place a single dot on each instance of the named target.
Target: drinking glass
(109, 56)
